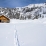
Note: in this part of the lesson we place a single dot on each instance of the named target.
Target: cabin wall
(3, 19)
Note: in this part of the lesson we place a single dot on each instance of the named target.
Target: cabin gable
(4, 19)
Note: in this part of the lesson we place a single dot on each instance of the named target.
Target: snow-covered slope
(29, 33)
(32, 11)
(42, 21)
(32, 33)
(7, 34)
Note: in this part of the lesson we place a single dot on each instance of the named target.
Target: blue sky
(18, 3)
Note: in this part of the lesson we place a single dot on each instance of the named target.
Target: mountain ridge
(32, 11)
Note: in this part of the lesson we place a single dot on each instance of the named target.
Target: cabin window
(0, 20)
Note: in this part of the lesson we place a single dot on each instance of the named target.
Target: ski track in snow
(30, 32)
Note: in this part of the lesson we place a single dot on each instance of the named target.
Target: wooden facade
(4, 19)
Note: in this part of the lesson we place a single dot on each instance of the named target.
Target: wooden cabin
(4, 19)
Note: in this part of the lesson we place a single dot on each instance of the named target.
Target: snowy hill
(7, 34)
(29, 33)
(32, 11)
(24, 32)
